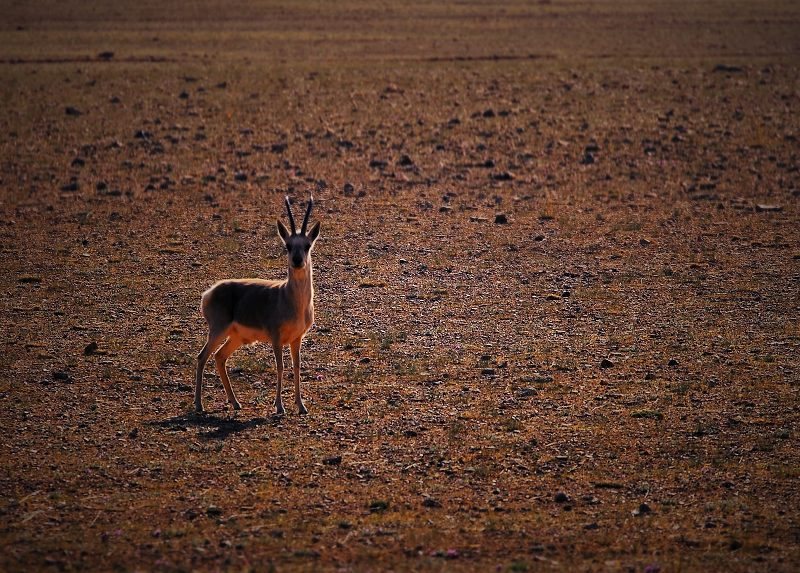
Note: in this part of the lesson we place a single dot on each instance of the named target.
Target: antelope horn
(291, 217)
(308, 212)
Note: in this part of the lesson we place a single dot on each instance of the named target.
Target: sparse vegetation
(557, 295)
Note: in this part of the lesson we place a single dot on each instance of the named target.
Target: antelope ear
(314, 232)
(283, 232)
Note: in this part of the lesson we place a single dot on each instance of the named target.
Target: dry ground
(645, 158)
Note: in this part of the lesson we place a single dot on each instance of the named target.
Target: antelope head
(298, 244)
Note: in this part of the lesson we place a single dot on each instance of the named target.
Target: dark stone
(501, 219)
(606, 363)
(561, 497)
(503, 176)
(332, 461)
(73, 111)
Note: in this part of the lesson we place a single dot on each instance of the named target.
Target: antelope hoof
(198, 407)
(279, 410)
(301, 409)
(236, 405)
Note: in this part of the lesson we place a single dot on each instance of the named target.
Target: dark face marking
(298, 248)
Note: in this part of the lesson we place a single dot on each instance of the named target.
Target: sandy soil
(557, 285)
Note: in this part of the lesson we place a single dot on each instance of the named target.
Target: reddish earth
(558, 286)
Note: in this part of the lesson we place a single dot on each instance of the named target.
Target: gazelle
(242, 311)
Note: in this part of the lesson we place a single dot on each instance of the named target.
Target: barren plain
(557, 286)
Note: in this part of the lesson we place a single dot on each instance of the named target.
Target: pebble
(61, 376)
(764, 208)
(503, 176)
(348, 189)
(606, 363)
(213, 511)
(431, 502)
(73, 111)
(332, 461)
(561, 497)
(90, 348)
(672, 362)
(501, 219)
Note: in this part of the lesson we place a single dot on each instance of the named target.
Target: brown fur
(243, 311)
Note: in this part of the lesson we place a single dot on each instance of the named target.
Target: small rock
(503, 176)
(332, 461)
(378, 164)
(405, 161)
(641, 510)
(29, 279)
(213, 511)
(487, 372)
(538, 238)
(378, 505)
(133, 433)
(672, 362)
(61, 376)
(489, 113)
(561, 497)
(644, 242)
(142, 134)
(90, 348)
(606, 363)
(279, 147)
(587, 159)
(240, 176)
(431, 502)
(501, 219)
(71, 186)
(349, 189)
(73, 111)
(727, 69)
(765, 208)
(183, 95)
